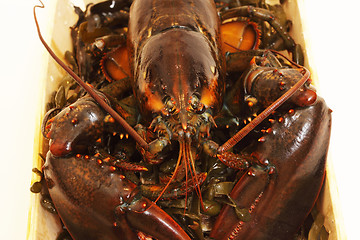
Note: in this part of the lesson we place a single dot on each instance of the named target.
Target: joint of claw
(157, 145)
(233, 160)
(251, 101)
(211, 148)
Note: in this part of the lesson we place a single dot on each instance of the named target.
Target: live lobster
(182, 98)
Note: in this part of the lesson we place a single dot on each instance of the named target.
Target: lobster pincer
(294, 143)
(294, 187)
(85, 183)
(83, 188)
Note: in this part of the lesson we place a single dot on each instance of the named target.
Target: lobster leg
(153, 191)
(115, 92)
(108, 13)
(239, 61)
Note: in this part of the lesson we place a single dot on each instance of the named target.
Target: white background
(333, 28)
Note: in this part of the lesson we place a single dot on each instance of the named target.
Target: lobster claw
(279, 203)
(75, 126)
(95, 201)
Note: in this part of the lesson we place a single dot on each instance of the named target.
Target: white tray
(55, 21)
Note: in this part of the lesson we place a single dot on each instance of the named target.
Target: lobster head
(184, 86)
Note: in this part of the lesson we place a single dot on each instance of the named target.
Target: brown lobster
(190, 98)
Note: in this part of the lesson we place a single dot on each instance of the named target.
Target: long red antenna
(90, 90)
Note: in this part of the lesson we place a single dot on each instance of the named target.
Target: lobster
(175, 177)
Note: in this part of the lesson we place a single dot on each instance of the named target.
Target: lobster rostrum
(227, 140)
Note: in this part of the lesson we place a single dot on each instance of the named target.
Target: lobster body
(178, 79)
(175, 52)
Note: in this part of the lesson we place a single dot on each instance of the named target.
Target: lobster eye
(214, 70)
(169, 104)
(200, 109)
(195, 104)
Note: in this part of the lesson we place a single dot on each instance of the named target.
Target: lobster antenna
(90, 90)
(264, 114)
